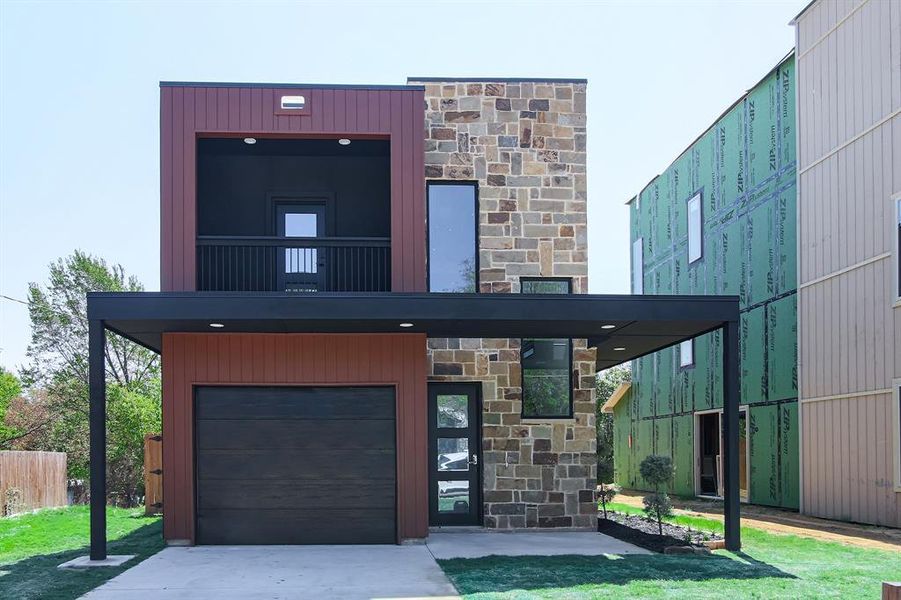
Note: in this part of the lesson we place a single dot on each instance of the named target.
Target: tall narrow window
(695, 247)
(687, 353)
(453, 209)
(637, 267)
(898, 245)
(546, 363)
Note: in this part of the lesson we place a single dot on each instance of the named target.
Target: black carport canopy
(621, 327)
(640, 324)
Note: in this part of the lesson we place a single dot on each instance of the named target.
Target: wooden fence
(153, 473)
(30, 480)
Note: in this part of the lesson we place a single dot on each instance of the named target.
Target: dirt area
(776, 520)
(644, 532)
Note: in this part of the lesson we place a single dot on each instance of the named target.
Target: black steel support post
(731, 401)
(97, 395)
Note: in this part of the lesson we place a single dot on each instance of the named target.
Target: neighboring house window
(898, 245)
(897, 432)
(637, 267)
(687, 353)
(546, 363)
(695, 247)
(453, 210)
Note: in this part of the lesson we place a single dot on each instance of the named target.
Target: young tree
(607, 382)
(10, 389)
(58, 356)
(657, 470)
(606, 493)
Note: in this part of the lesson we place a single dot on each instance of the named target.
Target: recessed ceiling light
(217, 325)
(249, 140)
(344, 142)
(406, 324)
(619, 348)
(608, 326)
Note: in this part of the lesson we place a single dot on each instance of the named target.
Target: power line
(5, 297)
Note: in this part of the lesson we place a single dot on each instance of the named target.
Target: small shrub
(14, 504)
(606, 493)
(657, 470)
(657, 506)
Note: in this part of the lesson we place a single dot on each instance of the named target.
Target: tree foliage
(10, 389)
(607, 382)
(56, 411)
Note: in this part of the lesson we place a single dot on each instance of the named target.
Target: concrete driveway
(334, 572)
(281, 573)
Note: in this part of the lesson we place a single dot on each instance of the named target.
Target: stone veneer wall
(524, 143)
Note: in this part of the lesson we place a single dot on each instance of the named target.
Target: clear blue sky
(79, 115)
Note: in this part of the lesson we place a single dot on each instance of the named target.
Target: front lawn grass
(33, 545)
(769, 566)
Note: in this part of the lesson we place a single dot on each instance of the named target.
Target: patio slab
(475, 544)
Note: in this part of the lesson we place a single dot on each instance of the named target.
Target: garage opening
(295, 465)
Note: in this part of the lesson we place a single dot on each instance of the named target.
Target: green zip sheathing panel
(744, 169)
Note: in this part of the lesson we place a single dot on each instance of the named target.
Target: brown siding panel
(293, 359)
(189, 112)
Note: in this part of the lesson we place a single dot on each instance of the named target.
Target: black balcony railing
(277, 264)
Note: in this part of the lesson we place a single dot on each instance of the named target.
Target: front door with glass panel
(454, 454)
(301, 268)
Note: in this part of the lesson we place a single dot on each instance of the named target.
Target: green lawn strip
(33, 545)
(770, 565)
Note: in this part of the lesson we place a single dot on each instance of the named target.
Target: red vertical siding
(187, 113)
(293, 359)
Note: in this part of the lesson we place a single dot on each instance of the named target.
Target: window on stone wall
(546, 363)
(453, 245)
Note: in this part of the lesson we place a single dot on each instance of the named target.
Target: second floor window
(637, 267)
(453, 252)
(695, 247)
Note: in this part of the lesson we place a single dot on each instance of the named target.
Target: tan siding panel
(849, 79)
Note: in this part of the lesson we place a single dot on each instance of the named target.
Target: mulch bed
(644, 533)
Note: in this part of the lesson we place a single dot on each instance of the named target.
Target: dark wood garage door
(292, 465)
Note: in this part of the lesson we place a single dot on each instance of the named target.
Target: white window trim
(691, 344)
(638, 266)
(896, 430)
(700, 240)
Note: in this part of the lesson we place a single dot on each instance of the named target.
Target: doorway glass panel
(453, 411)
(453, 454)
(453, 497)
(301, 260)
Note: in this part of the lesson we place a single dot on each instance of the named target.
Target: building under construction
(721, 219)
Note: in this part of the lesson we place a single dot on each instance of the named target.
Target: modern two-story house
(373, 317)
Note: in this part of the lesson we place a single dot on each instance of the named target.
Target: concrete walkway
(475, 544)
(281, 573)
(334, 572)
